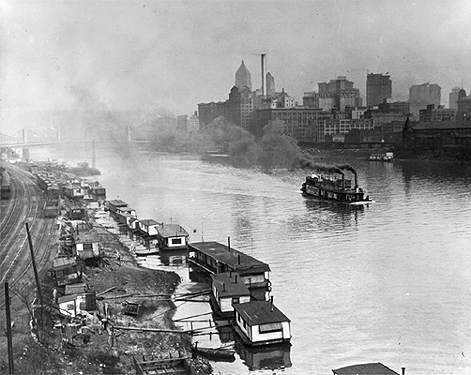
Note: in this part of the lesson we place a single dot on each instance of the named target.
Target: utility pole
(36, 276)
(9, 338)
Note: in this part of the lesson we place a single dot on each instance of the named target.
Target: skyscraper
(378, 88)
(453, 97)
(270, 82)
(243, 77)
(422, 95)
(338, 94)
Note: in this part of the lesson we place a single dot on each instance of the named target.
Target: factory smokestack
(264, 68)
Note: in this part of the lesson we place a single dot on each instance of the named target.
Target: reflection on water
(265, 358)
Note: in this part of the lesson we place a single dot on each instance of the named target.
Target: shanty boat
(335, 188)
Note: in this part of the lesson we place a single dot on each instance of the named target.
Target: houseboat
(113, 204)
(214, 258)
(172, 237)
(261, 323)
(149, 227)
(227, 289)
(122, 213)
(335, 189)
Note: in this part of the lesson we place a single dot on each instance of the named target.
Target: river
(389, 283)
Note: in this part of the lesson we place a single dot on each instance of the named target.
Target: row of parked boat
(162, 236)
(240, 285)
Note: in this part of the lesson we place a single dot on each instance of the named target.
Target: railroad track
(25, 206)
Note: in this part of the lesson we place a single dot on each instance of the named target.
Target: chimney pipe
(271, 303)
(229, 243)
(264, 86)
(403, 370)
(238, 259)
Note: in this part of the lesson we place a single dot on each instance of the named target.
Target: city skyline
(124, 55)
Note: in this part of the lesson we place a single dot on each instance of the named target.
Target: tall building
(338, 94)
(240, 107)
(270, 82)
(243, 77)
(422, 95)
(464, 106)
(378, 88)
(453, 97)
(311, 99)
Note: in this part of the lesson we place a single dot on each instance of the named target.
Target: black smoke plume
(347, 167)
(305, 161)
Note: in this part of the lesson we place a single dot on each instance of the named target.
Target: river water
(389, 283)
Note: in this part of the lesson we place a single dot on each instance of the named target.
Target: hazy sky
(175, 54)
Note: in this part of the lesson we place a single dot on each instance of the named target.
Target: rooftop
(171, 230)
(260, 312)
(442, 125)
(149, 222)
(117, 203)
(62, 263)
(230, 284)
(86, 237)
(232, 257)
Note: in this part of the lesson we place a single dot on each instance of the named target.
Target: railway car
(5, 190)
(51, 208)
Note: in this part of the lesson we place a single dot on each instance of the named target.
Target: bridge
(26, 138)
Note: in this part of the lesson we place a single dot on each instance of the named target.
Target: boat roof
(125, 209)
(171, 230)
(365, 369)
(230, 256)
(260, 312)
(149, 222)
(117, 203)
(230, 284)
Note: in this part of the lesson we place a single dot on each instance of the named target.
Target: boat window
(176, 241)
(270, 327)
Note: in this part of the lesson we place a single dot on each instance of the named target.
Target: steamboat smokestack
(264, 85)
(356, 179)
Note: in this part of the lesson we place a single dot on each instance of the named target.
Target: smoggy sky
(176, 54)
